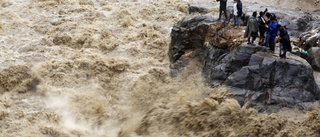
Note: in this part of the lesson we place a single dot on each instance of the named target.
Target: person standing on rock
(284, 38)
(252, 28)
(262, 27)
(223, 7)
(272, 32)
(237, 12)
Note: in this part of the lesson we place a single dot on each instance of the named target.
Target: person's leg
(281, 51)
(261, 38)
(238, 21)
(249, 40)
(267, 41)
(271, 43)
(253, 39)
(234, 20)
(220, 14)
(225, 14)
(284, 51)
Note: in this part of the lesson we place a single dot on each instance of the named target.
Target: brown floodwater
(100, 68)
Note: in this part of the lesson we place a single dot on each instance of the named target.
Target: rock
(188, 37)
(310, 39)
(255, 76)
(189, 33)
(286, 83)
(314, 58)
(254, 73)
(200, 7)
(192, 38)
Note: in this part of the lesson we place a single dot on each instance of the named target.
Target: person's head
(279, 27)
(273, 18)
(254, 14)
(268, 15)
(261, 13)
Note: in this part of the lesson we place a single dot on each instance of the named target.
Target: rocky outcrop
(255, 76)
(189, 35)
(314, 58)
(268, 80)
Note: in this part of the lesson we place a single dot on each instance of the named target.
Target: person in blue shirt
(272, 32)
(284, 38)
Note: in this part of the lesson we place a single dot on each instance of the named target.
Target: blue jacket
(272, 31)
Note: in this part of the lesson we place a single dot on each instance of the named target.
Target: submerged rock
(255, 75)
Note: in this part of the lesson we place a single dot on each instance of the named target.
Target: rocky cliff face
(255, 76)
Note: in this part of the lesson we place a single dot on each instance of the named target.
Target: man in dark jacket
(223, 7)
(284, 38)
(262, 27)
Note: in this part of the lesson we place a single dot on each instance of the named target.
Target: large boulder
(187, 38)
(268, 80)
(191, 36)
(310, 39)
(314, 58)
(200, 7)
(255, 75)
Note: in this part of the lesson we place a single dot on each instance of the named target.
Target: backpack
(239, 8)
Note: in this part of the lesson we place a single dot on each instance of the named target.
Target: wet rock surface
(310, 39)
(255, 76)
(314, 58)
(269, 81)
(200, 7)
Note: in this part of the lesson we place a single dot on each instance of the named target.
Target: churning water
(100, 68)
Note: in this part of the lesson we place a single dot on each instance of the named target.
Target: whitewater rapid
(100, 68)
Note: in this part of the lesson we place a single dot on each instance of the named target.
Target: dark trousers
(225, 13)
(271, 42)
(283, 50)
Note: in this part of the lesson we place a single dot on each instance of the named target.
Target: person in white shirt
(235, 13)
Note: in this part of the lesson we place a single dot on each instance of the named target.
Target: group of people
(266, 24)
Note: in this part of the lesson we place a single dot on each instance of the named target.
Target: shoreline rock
(255, 75)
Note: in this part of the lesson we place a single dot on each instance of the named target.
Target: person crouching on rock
(284, 38)
(272, 32)
(262, 27)
(252, 28)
